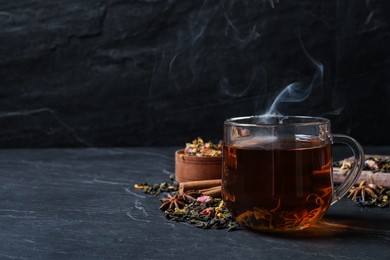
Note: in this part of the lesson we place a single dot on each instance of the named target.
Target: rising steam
(297, 92)
(273, 2)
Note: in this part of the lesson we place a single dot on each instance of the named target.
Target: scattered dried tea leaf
(261, 213)
(158, 188)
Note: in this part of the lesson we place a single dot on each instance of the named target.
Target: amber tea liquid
(281, 186)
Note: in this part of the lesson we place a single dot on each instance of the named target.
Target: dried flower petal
(140, 186)
(345, 167)
(204, 199)
(372, 165)
(208, 212)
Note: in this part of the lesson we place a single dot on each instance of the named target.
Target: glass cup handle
(357, 167)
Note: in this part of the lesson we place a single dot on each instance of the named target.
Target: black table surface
(80, 203)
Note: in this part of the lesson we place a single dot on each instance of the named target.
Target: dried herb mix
(377, 164)
(191, 206)
(199, 148)
(369, 194)
(372, 163)
(206, 212)
(212, 214)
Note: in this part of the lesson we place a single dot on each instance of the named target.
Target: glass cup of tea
(277, 170)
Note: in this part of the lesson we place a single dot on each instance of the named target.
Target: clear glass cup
(277, 170)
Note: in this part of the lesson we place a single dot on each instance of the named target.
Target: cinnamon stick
(199, 185)
(214, 192)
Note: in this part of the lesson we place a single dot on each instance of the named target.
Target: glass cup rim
(311, 121)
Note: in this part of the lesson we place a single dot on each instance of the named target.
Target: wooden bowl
(194, 168)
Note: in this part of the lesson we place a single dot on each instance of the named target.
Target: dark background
(150, 72)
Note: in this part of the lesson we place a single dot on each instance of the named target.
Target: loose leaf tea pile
(199, 148)
(204, 213)
(369, 194)
(377, 164)
(372, 163)
(191, 206)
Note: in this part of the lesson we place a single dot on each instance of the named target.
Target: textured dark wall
(161, 72)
